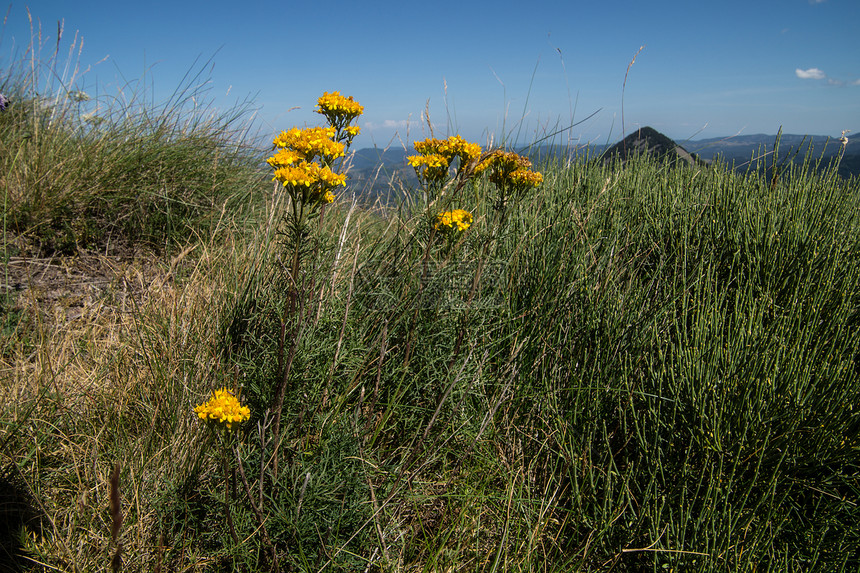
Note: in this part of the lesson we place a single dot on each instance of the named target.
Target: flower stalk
(220, 413)
(305, 164)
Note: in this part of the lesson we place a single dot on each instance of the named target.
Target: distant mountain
(381, 174)
(370, 157)
(648, 140)
(744, 151)
(385, 173)
(744, 147)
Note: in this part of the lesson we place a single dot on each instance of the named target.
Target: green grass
(646, 368)
(81, 172)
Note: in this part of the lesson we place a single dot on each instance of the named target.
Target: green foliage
(136, 175)
(661, 373)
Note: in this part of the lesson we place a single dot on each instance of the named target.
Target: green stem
(227, 490)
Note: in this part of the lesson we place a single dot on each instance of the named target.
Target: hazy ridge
(377, 173)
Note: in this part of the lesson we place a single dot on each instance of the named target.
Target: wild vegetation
(637, 367)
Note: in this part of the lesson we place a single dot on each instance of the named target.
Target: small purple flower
(3, 102)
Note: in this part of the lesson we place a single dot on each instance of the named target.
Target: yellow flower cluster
(524, 179)
(435, 167)
(509, 169)
(285, 157)
(294, 166)
(454, 146)
(433, 161)
(305, 174)
(458, 219)
(333, 105)
(297, 149)
(437, 155)
(311, 142)
(340, 111)
(223, 408)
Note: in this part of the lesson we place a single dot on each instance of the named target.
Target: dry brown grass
(104, 366)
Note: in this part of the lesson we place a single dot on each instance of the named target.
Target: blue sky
(707, 69)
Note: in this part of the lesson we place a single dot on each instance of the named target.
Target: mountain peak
(648, 140)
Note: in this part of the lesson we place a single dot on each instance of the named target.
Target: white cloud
(816, 74)
(387, 124)
(391, 123)
(810, 74)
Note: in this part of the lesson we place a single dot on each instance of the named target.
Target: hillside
(745, 150)
(635, 358)
(380, 174)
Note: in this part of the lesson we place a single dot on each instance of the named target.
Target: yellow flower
(329, 177)
(449, 220)
(296, 176)
(427, 147)
(523, 178)
(454, 146)
(334, 105)
(432, 167)
(443, 220)
(461, 218)
(305, 174)
(285, 157)
(508, 169)
(432, 161)
(340, 111)
(438, 154)
(223, 408)
(465, 150)
(311, 142)
(507, 161)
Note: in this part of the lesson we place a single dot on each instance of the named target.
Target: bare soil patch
(66, 288)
